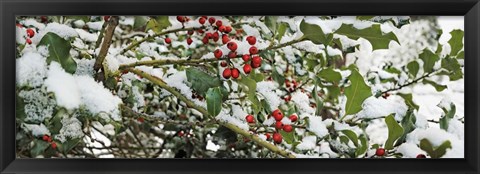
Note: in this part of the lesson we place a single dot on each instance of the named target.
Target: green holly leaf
(201, 81)
(363, 18)
(318, 101)
(408, 124)
(356, 93)
(437, 86)
(395, 131)
(59, 51)
(289, 137)
(413, 68)
(278, 77)
(251, 92)
(68, 145)
(409, 100)
(363, 146)
(38, 148)
(351, 135)
(434, 152)
(456, 42)
(429, 58)
(158, 24)
(83, 18)
(330, 75)
(373, 34)
(214, 101)
(139, 22)
(282, 28)
(315, 34)
(271, 23)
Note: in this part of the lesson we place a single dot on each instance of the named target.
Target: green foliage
(373, 34)
(356, 93)
(282, 28)
(351, 135)
(201, 81)
(271, 23)
(214, 101)
(315, 34)
(139, 22)
(437, 86)
(158, 24)
(408, 125)
(456, 42)
(413, 68)
(251, 92)
(363, 147)
(39, 146)
(449, 114)
(409, 100)
(395, 131)
(59, 51)
(429, 58)
(432, 151)
(330, 75)
(288, 137)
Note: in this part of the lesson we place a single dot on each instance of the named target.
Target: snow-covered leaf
(435, 152)
(59, 51)
(395, 131)
(315, 34)
(356, 93)
(201, 81)
(437, 86)
(330, 75)
(429, 58)
(373, 34)
(409, 100)
(456, 42)
(158, 24)
(413, 68)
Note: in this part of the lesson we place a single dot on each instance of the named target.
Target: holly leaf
(251, 92)
(437, 86)
(278, 77)
(271, 23)
(356, 93)
(38, 148)
(289, 137)
(201, 81)
(409, 100)
(59, 51)
(413, 68)
(214, 101)
(158, 24)
(330, 75)
(363, 146)
(282, 28)
(68, 145)
(456, 42)
(429, 58)
(434, 152)
(352, 136)
(408, 125)
(373, 34)
(139, 22)
(395, 131)
(315, 33)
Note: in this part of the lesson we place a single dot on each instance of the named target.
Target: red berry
(253, 50)
(181, 133)
(29, 41)
(168, 40)
(225, 39)
(222, 28)
(45, 138)
(30, 32)
(205, 17)
(189, 41)
(228, 29)
(268, 136)
(218, 23)
(287, 98)
(19, 25)
(54, 145)
(211, 20)
(223, 64)
(235, 73)
(205, 40)
(421, 156)
(278, 125)
(246, 57)
(232, 46)
(295, 84)
(232, 54)
(247, 68)
(256, 61)
(49, 139)
(181, 19)
(380, 152)
(287, 83)
(287, 128)
(277, 114)
(106, 18)
(190, 32)
(251, 40)
(209, 35)
(202, 20)
(277, 138)
(218, 53)
(250, 119)
(227, 73)
(293, 118)
(43, 19)
(200, 31)
(215, 36)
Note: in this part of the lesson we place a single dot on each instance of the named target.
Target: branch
(190, 104)
(109, 30)
(409, 83)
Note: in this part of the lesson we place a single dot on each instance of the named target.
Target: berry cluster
(49, 140)
(30, 34)
(278, 116)
(251, 60)
(217, 26)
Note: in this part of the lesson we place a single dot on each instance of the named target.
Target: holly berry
(106, 18)
(225, 39)
(140, 119)
(211, 20)
(421, 156)
(253, 50)
(232, 54)
(251, 40)
(268, 136)
(227, 73)
(181, 133)
(49, 139)
(287, 98)
(228, 29)
(168, 40)
(380, 152)
(277, 114)
(247, 68)
(232, 46)
(30, 32)
(205, 40)
(287, 83)
(277, 138)
(181, 19)
(209, 35)
(202, 20)
(287, 128)
(43, 19)
(54, 145)
(222, 28)
(218, 53)
(218, 23)
(223, 64)
(45, 137)
(256, 61)
(293, 118)
(200, 31)
(189, 41)
(190, 32)
(235, 73)
(246, 57)
(278, 125)
(250, 119)
(29, 41)
(216, 36)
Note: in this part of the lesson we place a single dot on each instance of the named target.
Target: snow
(64, 86)
(224, 116)
(32, 22)
(380, 107)
(84, 35)
(38, 105)
(61, 30)
(436, 137)
(410, 150)
(308, 143)
(37, 130)
(85, 67)
(95, 25)
(31, 69)
(302, 102)
(266, 88)
(71, 129)
(317, 126)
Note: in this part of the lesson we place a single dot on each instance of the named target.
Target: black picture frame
(11, 8)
